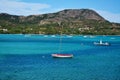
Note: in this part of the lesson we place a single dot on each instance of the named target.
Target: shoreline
(62, 34)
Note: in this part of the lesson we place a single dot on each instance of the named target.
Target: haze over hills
(69, 21)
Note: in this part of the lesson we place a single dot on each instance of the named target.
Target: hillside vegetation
(69, 21)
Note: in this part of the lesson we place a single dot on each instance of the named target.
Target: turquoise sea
(28, 57)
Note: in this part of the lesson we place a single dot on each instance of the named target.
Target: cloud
(21, 8)
(112, 17)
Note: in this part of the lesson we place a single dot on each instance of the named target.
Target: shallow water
(28, 57)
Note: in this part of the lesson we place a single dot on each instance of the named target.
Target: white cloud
(21, 8)
(112, 17)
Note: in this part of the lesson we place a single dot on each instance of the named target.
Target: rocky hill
(69, 21)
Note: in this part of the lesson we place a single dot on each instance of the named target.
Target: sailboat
(61, 55)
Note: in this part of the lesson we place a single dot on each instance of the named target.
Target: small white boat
(53, 36)
(45, 35)
(101, 43)
(27, 35)
(62, 55)
(69, 36)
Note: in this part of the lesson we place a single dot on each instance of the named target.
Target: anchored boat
(62, 55)
(101, 43)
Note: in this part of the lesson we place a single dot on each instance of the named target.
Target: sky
(108, 9)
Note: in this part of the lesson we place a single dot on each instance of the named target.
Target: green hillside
(70, 21)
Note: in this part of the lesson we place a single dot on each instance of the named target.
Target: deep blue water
(28, 57)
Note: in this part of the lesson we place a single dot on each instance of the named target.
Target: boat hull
(62, 55)
(102, 44)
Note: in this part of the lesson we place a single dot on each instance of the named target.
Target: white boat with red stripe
(62, 55)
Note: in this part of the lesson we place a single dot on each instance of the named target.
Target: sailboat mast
(60, 45)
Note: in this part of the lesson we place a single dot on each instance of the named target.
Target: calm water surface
(28, 57)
